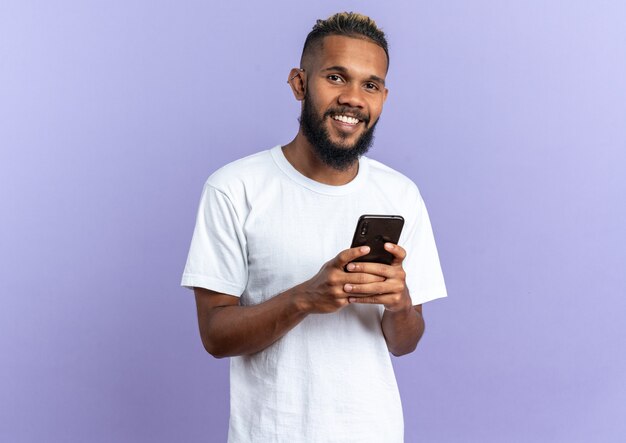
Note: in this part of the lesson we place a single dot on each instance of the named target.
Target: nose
(351, 96)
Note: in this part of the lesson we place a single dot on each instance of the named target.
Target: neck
(301, 154)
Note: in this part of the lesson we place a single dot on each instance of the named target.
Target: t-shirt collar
(322, 188)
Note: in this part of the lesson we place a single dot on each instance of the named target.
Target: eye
(371, 86)
(334, 78)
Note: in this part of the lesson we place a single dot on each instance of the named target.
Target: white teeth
(346, 119)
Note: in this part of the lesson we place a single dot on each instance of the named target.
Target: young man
(309, 330)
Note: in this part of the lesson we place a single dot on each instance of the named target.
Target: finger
(362, 278)
(346, 256)
(372, 300)
(398, 252)
(368, 288)
(372, 268)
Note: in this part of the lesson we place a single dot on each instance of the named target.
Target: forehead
(353, 53)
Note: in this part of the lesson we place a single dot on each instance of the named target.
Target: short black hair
(349, 24)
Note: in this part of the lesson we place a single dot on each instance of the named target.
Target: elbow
(410, 345)
(399, 352)
(213, 348)
(218, 355)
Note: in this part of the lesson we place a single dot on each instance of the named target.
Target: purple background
(510, 116)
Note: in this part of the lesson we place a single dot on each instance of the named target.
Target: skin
(343, 72)
(348, 73)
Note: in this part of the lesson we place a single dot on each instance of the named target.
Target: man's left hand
(392, 292)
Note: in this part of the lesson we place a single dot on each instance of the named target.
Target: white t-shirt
(262, 228)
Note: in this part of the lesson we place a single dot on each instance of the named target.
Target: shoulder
(387, 177)
(236, 176)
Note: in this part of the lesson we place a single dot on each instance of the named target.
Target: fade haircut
(348, 24)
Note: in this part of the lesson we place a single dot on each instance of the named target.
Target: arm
(228, 329)
(402, 323)
(403, 329)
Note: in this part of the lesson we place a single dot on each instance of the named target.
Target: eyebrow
(343, 70)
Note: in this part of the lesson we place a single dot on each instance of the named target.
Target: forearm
(403, 330)
(243, 330)
(228, 329)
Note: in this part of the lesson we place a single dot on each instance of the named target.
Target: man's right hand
(228, 328)
(324, 293)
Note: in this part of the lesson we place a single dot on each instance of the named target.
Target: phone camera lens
(364, 226)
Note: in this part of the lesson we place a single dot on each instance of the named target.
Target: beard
(339, 156)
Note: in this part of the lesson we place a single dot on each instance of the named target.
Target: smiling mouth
(347, 119)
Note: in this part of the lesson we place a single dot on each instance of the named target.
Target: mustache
(348, 111)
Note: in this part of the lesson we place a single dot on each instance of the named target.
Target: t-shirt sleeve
(423, 270)
(217, 257)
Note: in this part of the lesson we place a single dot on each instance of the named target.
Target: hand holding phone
(392, 292)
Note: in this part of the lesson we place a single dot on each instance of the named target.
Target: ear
(385, 95)
(297, 83)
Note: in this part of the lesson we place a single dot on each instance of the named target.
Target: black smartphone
(374, 231)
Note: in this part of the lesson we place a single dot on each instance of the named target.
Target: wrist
(300, 301)
(404, 307)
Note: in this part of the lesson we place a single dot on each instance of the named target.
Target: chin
(341, 145)
(346, 142)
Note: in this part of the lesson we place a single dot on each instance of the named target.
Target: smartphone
(374, 231)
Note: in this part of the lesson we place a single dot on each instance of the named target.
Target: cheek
(376, 109)
(319, 93)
